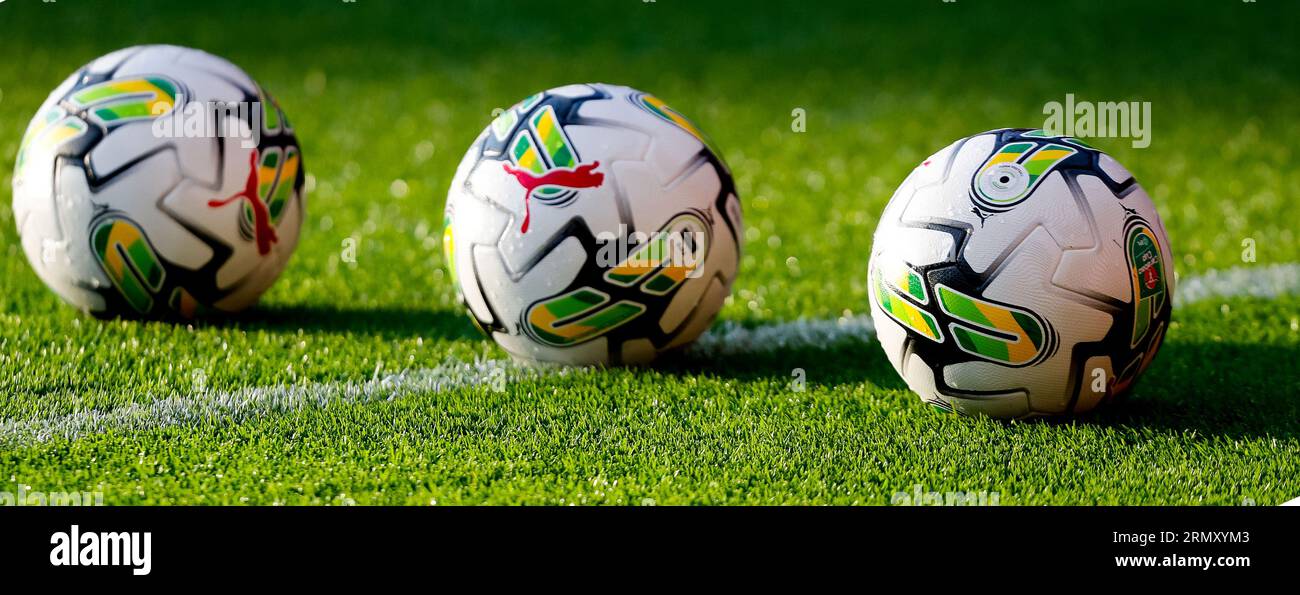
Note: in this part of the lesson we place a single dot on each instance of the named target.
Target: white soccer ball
(1017, 274)
(159, 181)
(592, 224)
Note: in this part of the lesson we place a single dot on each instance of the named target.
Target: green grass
(1216, 419)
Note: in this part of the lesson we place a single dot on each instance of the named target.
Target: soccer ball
(592, 224)
(1018, 274)
(158, 181)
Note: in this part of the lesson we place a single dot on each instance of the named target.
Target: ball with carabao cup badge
(1017, 273)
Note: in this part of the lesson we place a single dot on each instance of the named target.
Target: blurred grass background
(387, 90)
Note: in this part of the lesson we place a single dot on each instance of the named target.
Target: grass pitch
(387, 95)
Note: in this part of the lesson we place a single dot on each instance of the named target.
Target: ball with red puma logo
(592, 224)
(159, 181)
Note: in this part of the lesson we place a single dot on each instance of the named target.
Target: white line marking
(730, 338)
(252, 403)
(725, 338)
(1262, 281)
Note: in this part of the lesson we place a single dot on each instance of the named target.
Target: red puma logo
(582, 176)
(262, 230)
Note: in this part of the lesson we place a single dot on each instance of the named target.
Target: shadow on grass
(1217, 389)
(847, 363)
(1214, 389)
(388, 323)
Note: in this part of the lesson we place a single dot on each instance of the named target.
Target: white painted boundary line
(1263, 282)
(730, 338)
(726, 338)
(252, 403)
